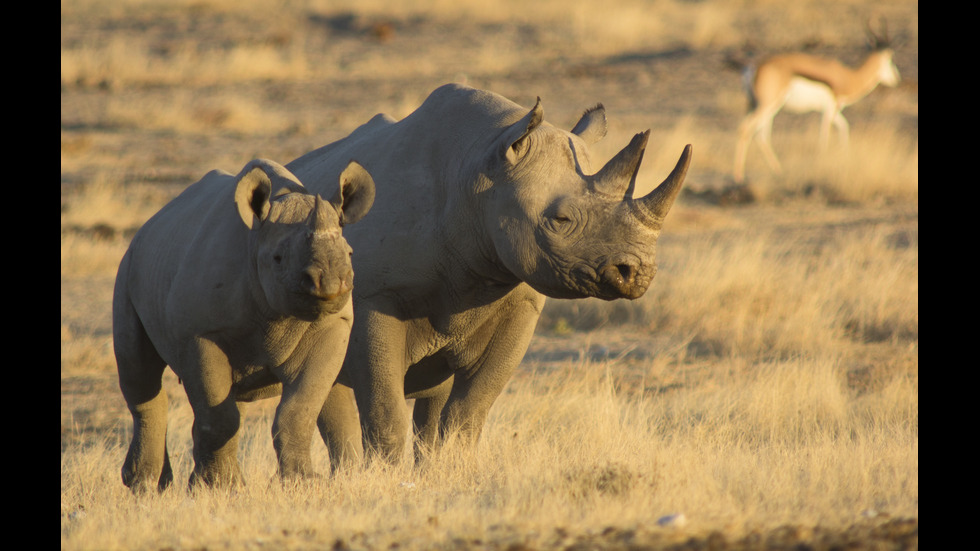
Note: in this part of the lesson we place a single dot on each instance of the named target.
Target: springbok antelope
(801, 83)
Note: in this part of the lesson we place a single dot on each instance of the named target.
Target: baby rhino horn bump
(654, 207)
(619, 175)
(319, 219)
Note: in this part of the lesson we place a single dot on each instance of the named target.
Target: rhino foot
(216, 478)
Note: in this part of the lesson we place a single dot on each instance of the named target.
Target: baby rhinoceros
(242, 286)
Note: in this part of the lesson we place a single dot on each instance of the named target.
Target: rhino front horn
(652, 208)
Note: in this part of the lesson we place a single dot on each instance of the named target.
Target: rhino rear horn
(652, 208)
(355, 195)
(618, 177)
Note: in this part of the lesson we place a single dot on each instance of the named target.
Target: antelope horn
(878, 41)
(652, 208)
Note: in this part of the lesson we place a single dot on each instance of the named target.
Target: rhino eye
(561, 219)
(561, 223)
(277, 258)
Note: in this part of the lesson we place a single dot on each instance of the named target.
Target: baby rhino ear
(252, 196)
(355, 195)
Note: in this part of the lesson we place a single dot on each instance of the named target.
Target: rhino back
(320, 168)
(423, 168)
(404, 214)
(187, 260)
(425, 151)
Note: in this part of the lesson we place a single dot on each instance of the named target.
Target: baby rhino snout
(326, 284)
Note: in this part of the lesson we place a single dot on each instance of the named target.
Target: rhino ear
(355, 196)
(592, 126)
(252, 196)
(511, 143)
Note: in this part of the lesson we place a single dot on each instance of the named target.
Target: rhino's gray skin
(483, 210)
(241, 285)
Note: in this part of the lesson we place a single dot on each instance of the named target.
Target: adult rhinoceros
(483, 210)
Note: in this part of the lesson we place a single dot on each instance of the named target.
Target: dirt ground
(640, 89)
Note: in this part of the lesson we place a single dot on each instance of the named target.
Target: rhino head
(299, 257)
(565, 230)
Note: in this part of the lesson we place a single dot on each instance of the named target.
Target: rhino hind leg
(147, 461)
(426, 417)
(140, 370)
(215, 438)
(217, 419)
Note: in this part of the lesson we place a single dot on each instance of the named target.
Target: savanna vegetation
(763, 394)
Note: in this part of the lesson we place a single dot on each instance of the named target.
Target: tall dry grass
(780, 442)
(279, 48)
(279, 45)
(97, 219)
(879, 166)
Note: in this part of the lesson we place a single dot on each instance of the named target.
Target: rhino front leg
(376, 367)
(292, 431)
(340, 427)
(306, 385)
(476, 386)
(206, 375)
(140, 370)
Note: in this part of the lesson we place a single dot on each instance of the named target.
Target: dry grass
(766, 387)
(772, 444)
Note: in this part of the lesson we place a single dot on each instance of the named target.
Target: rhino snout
(626, 279)
(324, 284)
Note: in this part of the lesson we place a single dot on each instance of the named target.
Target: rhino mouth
(613, 281)
(310, 306)
(324, 295)
(321, 309)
